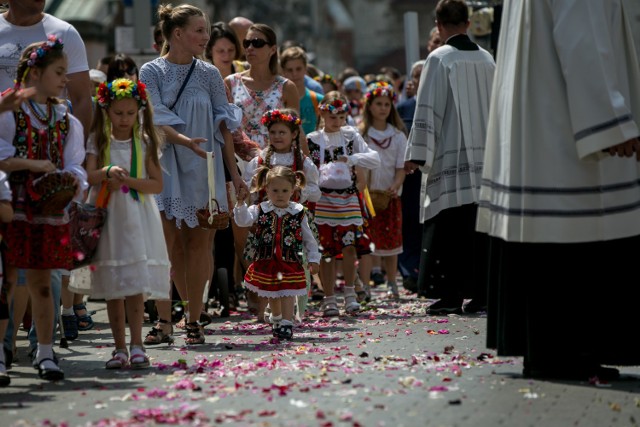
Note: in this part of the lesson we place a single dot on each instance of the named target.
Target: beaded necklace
(384, 144)
(41, 116)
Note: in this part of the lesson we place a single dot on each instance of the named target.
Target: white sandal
(138, 359)
(118, 359)
(330, 307)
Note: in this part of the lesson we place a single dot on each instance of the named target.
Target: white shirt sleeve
(7, 134)
(74, 154)
(311, 191)
(363, 156)
(245, 215)
(309, 242)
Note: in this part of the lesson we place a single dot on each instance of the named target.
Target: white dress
(132, 254)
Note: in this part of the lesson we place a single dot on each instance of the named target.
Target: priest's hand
(410, 167)
(626, 149)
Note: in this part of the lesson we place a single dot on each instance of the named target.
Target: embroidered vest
(31, 143)
(279, 235)
(331, 155)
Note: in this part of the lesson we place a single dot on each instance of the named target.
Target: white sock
(285, 322)
(376, 270)
(68, 311)
(45, 351)
(275, 319)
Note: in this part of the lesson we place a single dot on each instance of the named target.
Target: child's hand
(343, 159)
(194, 145)
(42, 166)
(314, 268)
(117, 173)
(12, 99)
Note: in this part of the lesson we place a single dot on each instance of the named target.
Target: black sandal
(195, 334)
(50, 374)
(157, 336)
(85, 319)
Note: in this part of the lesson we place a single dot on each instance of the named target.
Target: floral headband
(375, 90)
(121, 89)
(326, 78)
(36, 55)
(335, 107)
(274, 116)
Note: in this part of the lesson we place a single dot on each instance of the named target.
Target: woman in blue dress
(195, 120)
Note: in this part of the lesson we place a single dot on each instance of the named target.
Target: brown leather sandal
(157, 336)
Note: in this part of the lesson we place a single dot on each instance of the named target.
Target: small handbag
(334, 175)
(53, 191)
(212, 217)
(380, 199)
(86, 222)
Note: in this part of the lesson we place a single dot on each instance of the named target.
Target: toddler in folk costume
(283, 232)
(284, 127)
(41, 142)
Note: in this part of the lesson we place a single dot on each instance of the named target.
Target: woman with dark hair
(122, 66)
(260, 88)
(223, 49)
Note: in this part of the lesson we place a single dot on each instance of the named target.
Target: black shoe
(444, 307)
(377, 278)
(284, 332)
(410, 284)
(571, 372)
(32, 357)
(474, 307)
(50, 374)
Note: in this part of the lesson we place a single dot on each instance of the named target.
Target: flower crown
(375, 90)
(52, 43)
(121, 89)
(326, 78)
(337, 106)
(36, 55)
(274, 116)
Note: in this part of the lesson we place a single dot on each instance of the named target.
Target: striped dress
(340, 207)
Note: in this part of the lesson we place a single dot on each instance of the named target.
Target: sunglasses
(257, 43)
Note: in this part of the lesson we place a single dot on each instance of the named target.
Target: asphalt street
(391, 365)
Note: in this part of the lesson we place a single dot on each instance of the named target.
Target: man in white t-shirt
(24, 23)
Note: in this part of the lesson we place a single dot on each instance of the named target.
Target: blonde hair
(264, 175)
(171, 17)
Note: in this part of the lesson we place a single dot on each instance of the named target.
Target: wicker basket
(55, 191)
(216, 221)
(379, 199)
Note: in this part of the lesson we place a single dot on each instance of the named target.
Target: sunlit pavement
(390, 365)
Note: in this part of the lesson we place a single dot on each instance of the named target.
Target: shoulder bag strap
(184, 83)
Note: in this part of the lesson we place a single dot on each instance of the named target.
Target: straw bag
(379, 199)
(53, 191)
(211, 217)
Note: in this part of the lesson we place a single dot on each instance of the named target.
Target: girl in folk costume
(383, 130)
(337, 150)
(284, 234)
(284, 127)
(42, 146)
(131, 262)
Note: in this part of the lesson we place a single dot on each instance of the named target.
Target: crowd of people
(319, 183)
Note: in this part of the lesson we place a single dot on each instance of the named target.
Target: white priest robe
(449, 127)
(567, 86)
